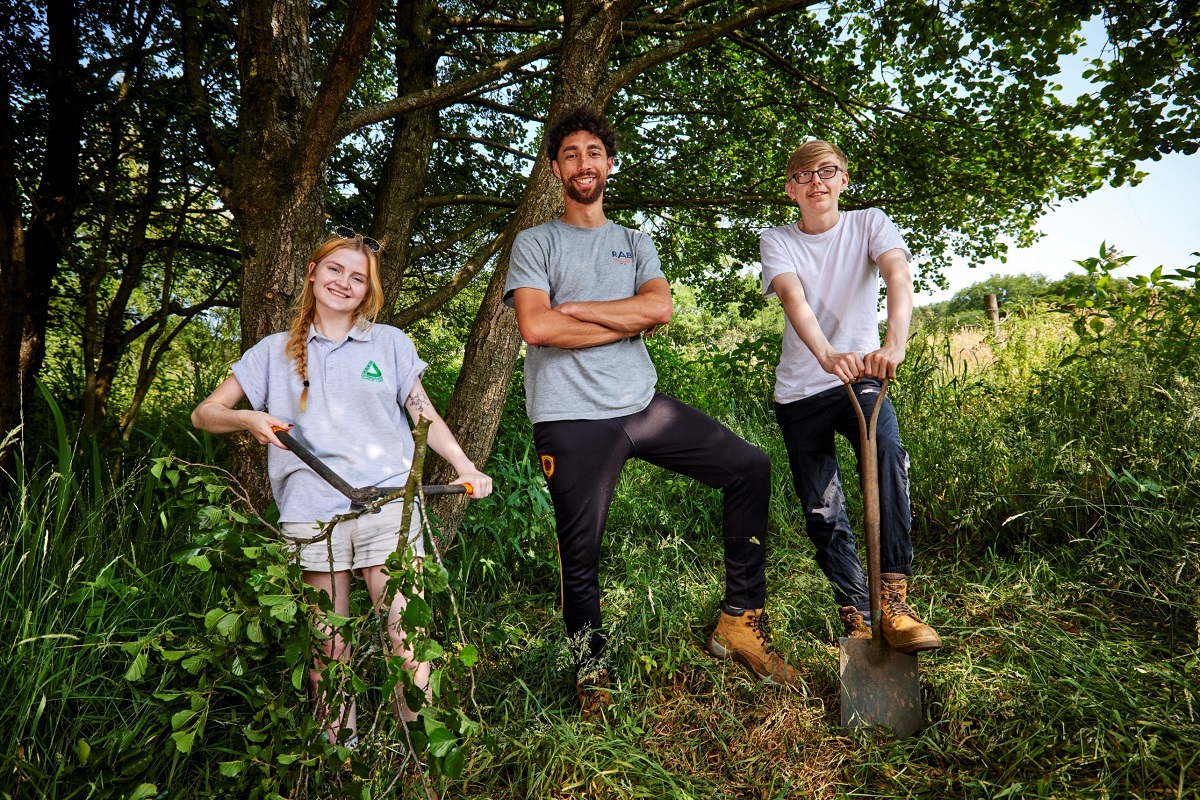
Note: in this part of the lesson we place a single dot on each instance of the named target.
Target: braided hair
(306, 305)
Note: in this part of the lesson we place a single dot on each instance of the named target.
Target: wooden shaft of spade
(868, 461)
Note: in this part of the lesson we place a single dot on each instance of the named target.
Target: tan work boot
(852, 620)
(745, 636)
(902, 628)
(593, 693)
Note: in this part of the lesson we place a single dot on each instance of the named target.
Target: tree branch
(442, 95)
(520, 113)
(445, 244)
(695, 202)
(467, 24)
(321, 127)
(660, 55)
(457, 137)
(455, 285)
(769, 53)
(218, 154)
(467, 199)
(214, 300)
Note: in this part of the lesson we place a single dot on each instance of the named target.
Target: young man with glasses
(825, 270)
(585, 290)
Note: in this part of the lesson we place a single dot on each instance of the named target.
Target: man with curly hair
(585, 291)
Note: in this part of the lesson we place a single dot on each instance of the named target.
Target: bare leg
(334, 648)
(376, 583)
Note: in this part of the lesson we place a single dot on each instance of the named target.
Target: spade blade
(880, 686)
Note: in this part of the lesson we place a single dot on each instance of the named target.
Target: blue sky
(1158, 221)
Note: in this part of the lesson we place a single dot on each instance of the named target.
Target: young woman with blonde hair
(341, 381)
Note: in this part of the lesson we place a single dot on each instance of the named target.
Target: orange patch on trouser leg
(548, 466)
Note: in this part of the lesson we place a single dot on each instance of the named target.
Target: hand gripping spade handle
(365, 495)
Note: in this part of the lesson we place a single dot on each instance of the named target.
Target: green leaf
(428, 650)
(336, 620)
(231, 769)
(138, 668)
(194, 663)
(284, 613)
(453, 765)
(182, 718)
(437, 577)
(468, 655)
(200, 562)
(83, 750)
(417, 614)
(441, 741)
(298, 673)
(254, 630)
(143, 791)
(183, 741)
(210, 618)
(228, 624)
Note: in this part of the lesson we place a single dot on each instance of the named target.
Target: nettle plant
(233, 681)
(1159, 312)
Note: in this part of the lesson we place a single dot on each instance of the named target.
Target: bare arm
(545, 326)
(893, 268)
(216, 414)
(444, 444)
(650, 307)
(846, 366)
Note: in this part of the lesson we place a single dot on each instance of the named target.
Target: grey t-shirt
(584, 264)
(355, 420)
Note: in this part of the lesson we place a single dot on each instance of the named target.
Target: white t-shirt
(840, 277)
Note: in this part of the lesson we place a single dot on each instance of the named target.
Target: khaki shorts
(356, 543)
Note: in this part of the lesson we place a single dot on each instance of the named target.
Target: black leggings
(582, 460)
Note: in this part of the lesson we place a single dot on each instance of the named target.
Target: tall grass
(1055, 521)
(85, 574)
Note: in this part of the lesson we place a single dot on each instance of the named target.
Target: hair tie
(306, 384)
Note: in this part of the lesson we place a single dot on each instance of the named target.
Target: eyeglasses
(350, 233)
(824, 173)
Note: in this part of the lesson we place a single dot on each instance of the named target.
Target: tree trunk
(491, 354)
(403, 178)
(12, 269)
(52, 224)
(285, 136)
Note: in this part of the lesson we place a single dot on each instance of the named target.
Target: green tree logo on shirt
(371, 372)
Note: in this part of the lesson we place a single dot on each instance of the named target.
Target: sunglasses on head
(350, 233)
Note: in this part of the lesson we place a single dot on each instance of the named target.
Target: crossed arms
(574, 325)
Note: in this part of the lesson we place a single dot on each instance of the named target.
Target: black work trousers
(808, 427)
(582, 460)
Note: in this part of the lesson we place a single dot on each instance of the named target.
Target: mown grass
(1055, 521)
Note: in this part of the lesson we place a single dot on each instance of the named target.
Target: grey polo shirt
(355, 421)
